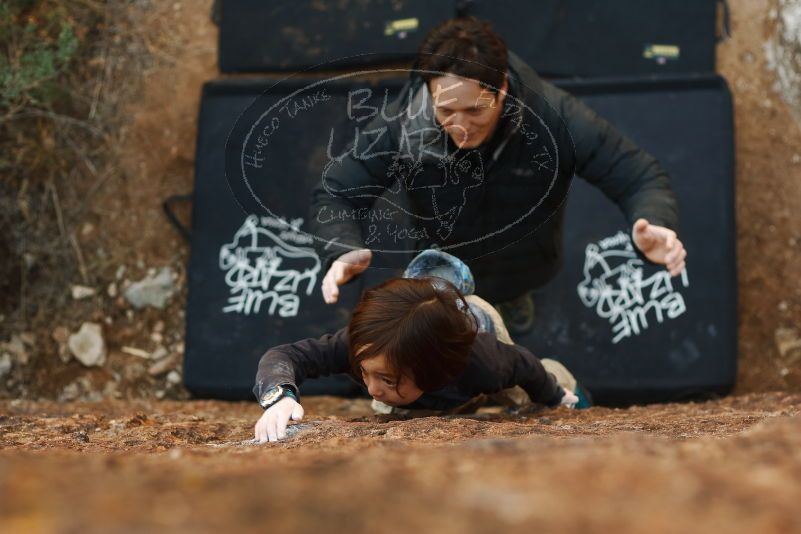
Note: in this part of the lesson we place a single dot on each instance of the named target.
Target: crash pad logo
(375, 159)
(264, 272)
(615, 287)
(423, 165)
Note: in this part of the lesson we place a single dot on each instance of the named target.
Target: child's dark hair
(466, 47)
(423, 329)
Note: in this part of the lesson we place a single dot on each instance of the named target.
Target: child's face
(381, 383)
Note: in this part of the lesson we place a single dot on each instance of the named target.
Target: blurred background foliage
(52, 137)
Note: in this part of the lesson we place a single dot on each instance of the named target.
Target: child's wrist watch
(275, 394)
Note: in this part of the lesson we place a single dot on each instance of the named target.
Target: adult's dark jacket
(492, 366)
(499, 207)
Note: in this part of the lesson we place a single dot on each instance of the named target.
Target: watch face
(271, 396)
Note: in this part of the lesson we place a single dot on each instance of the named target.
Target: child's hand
(271, 426)
(570, 399)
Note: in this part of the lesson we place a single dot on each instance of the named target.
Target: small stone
(28, 338)
(87, 229)
(156, 337)
(783, 305)
(163, 366)
(61, 335)
(5, 364)
(160, 394)
(133, 371)
(784, 371)
(88, 346)
(133, 351)
(110, 389)
(788, 342)
(69, 393)
(120, 272)
(154, 290)
(15, 348)
(111, 290)
(159, 353)
(174, 377)
(82, 292)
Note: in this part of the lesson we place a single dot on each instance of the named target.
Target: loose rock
(159, 353)
(82, 292)
(61, 335)
(174, 377)
(5, 364)
(163, 366)
(88, 346)
(788, 342)
(133, 351)
(153, 290)
(15, 348)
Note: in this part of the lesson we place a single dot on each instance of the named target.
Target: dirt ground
(139, 465)
(733, 466)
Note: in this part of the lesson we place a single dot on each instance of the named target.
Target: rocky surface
(732, 465)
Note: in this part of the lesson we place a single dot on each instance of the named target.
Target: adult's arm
(350, 182)
(628, 175)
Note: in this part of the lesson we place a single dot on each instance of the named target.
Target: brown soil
(768, 181)
(732, 465)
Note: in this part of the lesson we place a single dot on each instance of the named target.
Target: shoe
(585, 399)
(518, 314)
(438, 264)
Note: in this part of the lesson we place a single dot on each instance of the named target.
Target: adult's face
(467, 111)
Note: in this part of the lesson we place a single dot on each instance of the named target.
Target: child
(416, 343)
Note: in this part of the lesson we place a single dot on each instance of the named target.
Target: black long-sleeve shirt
(514, 189)
(492, 366)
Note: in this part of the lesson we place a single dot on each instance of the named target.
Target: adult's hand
(660, 245)
(271, 426)
(342, 270)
